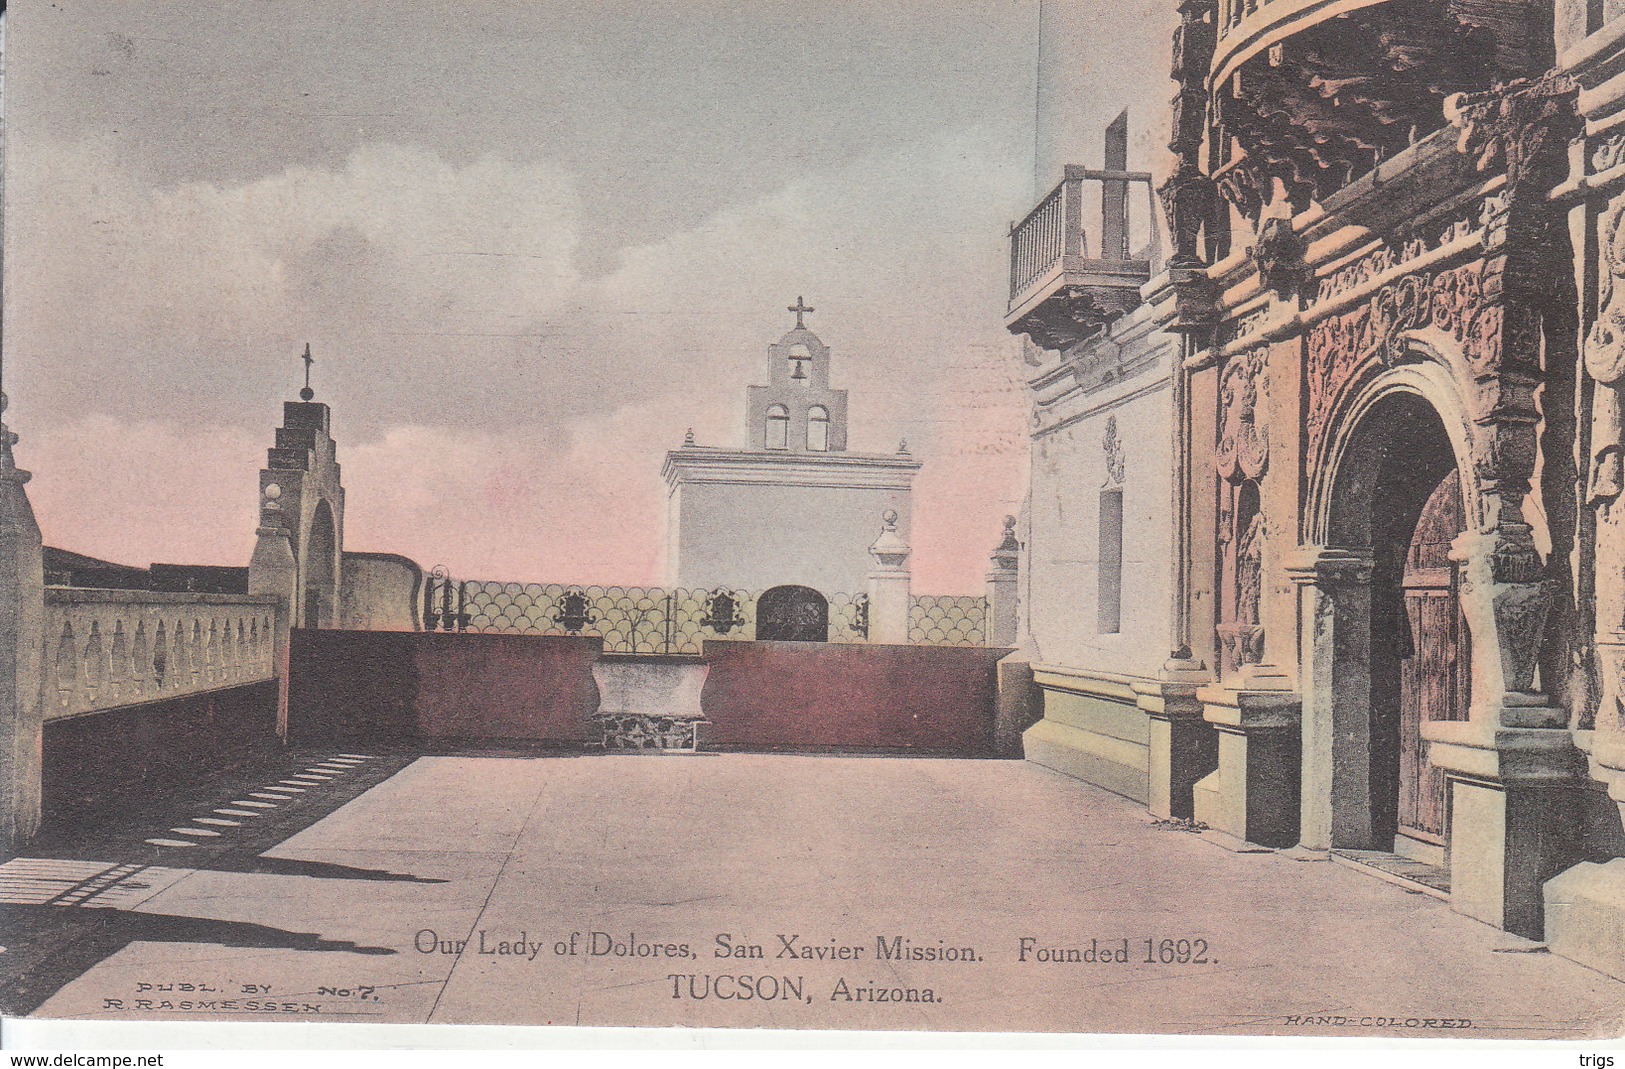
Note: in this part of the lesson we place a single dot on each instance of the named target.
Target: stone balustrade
(110, 648)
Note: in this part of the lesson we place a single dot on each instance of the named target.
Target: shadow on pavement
(48, 945)
(65, 941)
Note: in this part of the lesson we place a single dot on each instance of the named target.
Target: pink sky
(523, 271)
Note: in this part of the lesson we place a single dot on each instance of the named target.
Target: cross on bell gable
(800, 309)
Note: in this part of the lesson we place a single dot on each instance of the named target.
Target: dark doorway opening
(1405, 489)
(792, 614)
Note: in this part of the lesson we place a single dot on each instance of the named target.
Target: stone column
(889, 585)
(1334, 612)
(1182, 745)
(1512, 766)
(22, 643)
(1514, 816)
(1003, 611)
(273, 571)
(1191, 288)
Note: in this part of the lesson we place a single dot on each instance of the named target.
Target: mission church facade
(793, 507)
(1324, 550)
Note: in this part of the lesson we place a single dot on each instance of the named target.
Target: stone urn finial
(889, 550)
(1006, 554)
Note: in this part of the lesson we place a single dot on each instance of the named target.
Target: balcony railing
(1041, 239)
(1060, 293)
(1053, 234)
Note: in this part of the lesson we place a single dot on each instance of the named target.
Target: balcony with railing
(1063, 292)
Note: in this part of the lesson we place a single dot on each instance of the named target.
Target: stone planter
(649, 704)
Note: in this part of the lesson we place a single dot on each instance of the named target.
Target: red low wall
(802, 695)
(94, 759)
(392, 686)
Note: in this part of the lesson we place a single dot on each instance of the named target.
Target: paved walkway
(601, 890)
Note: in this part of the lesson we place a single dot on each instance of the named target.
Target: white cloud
(496, 411)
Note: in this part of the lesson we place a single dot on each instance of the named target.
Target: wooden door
(1434, 677)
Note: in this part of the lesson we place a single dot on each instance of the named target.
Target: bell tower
(792, 507)
(797, 412)
(301, 533)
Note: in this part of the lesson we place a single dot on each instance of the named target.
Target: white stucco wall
(752, 536)
(381, 592)
(1061, 570)
(751, 520)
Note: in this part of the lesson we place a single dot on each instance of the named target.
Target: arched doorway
(792, 614)
(1435, 674)
(320, 568)
(1397, 500)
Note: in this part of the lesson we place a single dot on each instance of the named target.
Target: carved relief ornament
(1244, 438)
(1458, 301)
(1605, 363)
(1116, 464)
(1278, 255)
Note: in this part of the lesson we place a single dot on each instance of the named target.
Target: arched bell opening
(321, 569)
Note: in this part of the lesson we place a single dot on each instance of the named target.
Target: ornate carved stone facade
(1377, 332)
(1372, 288)
(1397, 315)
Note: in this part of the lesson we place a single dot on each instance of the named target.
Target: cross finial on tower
(307, 393)
(800, 309)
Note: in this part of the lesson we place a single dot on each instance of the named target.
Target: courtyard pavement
(882, 893)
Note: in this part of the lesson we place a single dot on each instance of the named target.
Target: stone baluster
(65, 669)
(95, 673)
(141, 681)
(180, 673)
(161, 677)
(889, 593)
(118, 664)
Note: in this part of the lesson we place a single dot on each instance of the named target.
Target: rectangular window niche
(1109, 602)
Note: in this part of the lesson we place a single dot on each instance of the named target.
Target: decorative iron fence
(849, 618)
(629, 619)
(655, 619)
(948, 620)
(633, 619)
